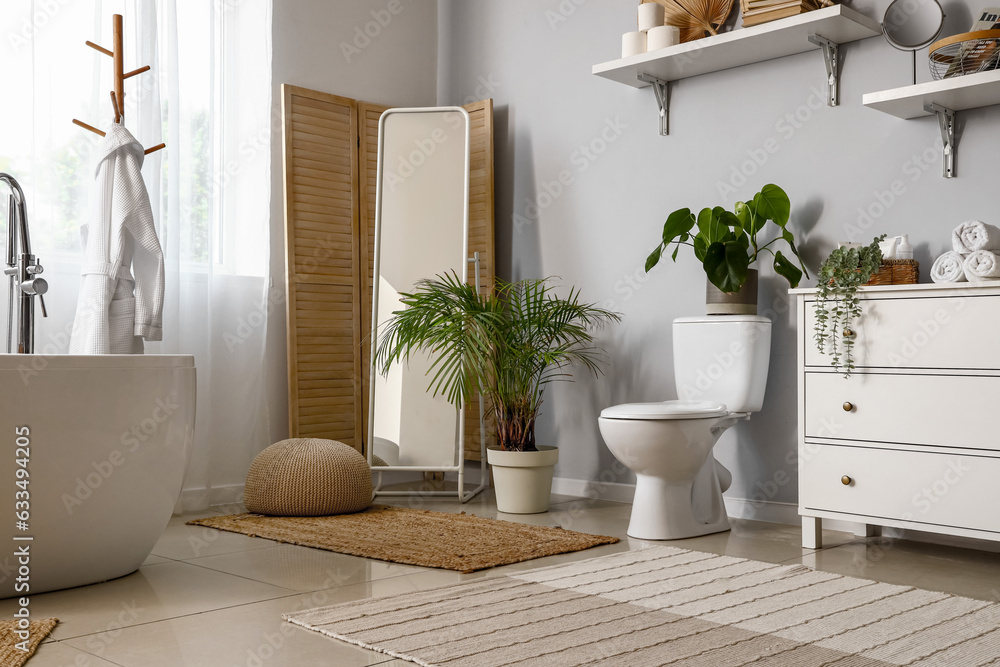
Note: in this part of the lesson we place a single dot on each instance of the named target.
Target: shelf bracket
(831, 55)
(946, 121)
(661, 89)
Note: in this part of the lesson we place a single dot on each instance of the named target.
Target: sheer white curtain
(207, 96)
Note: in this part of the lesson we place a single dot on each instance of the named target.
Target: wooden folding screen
(333, 223)
(323, 268)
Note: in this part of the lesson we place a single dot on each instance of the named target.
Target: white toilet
(720, 371)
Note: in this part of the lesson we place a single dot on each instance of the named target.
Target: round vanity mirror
(910, 25)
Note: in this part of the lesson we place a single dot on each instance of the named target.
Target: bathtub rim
(83, 361)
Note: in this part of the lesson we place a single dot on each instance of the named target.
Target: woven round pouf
(308, 477)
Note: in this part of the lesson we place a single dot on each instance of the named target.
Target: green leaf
(726, 265)
(785, 268)
(705, 223)
(700, 247)
(743, 213)
(678, 223)
(720, 226)
(654, 258)
(731, 221)
(771, 203)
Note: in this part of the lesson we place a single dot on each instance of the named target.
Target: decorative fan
(696, 18)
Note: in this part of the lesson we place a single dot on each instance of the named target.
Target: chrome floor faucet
(22, 271)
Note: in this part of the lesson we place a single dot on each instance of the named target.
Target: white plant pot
(523, 480)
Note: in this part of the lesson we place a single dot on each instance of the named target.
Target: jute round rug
(461, 542)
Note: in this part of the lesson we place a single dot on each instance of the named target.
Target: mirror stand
(421, 225)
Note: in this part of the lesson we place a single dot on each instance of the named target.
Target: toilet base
(670, 511)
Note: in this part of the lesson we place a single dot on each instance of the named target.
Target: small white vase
(523, 480)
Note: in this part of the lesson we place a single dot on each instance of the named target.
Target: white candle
(633, 43)
(650, 15)
(663, 36)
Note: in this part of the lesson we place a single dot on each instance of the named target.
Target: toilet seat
(665, 410)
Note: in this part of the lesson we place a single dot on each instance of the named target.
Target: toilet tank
(722, 358)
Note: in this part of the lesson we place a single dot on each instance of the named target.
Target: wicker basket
(966, 53)
(897, 272)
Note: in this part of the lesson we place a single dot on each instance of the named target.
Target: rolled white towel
(982, 265)
(975, 235)
(948, 268)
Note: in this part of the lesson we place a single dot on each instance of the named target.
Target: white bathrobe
(121, 291)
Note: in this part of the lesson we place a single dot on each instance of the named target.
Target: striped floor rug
(667, 606)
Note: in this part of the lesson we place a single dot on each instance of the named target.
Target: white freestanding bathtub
(105, 440)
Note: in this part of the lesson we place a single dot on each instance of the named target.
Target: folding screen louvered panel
(322, 267)
(369, 115)
(481, 237)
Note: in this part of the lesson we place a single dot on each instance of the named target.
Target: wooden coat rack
(118, 94)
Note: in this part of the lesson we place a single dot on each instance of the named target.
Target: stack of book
(756, 12)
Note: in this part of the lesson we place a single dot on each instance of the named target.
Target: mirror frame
(910, 47)
(459, 460)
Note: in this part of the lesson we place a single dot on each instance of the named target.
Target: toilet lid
(665, 410)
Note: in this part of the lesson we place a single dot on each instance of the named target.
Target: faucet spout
(19, 231)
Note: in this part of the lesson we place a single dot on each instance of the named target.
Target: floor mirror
(421, 230)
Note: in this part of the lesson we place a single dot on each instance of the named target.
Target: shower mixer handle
(35, 286)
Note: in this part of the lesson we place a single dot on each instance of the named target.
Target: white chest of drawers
(912, 438)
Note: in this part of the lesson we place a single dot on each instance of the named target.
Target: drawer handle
(846, 480)
(848, 406)
(849, 333)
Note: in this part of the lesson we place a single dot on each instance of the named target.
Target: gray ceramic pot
(743, 302)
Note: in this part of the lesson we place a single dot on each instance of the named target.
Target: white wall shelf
(942, 99)
(823, 29)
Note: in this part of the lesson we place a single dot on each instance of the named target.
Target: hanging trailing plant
(837, 303)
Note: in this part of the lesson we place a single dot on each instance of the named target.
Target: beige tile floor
(215, 599)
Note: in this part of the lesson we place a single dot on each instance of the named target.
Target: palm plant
(507, 345)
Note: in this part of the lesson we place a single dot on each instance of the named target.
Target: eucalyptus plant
(727, 243)
(508, 345)
(837, 302)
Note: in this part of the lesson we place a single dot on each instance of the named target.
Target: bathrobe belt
(117, 272)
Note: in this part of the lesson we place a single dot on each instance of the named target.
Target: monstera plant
(728, 243)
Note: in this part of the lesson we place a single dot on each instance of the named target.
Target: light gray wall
(596, 232)
(316, 45)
